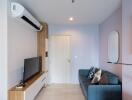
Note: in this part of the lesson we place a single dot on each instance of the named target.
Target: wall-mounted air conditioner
(18, 11)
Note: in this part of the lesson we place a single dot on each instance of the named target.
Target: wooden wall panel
(41, 36)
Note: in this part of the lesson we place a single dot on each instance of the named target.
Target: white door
(60, 59)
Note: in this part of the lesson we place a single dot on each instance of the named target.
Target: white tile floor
(61, 92)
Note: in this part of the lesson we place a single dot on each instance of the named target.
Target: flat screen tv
(32, 67)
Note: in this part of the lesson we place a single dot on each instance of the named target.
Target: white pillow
(97, 76)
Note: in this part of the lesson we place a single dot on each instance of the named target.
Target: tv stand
(30, 90)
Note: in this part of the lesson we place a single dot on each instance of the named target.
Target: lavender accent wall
(114, 22)
(127, 48)
(84, 41)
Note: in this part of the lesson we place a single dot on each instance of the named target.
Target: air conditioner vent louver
(31, 23)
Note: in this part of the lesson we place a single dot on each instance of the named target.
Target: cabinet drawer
(34, 89)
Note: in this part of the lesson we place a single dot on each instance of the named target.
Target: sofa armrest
(104, 92)
(83, 72)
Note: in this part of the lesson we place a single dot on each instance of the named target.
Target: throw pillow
(109, 78)
(97, 76)
(103, 80)
(91, 73)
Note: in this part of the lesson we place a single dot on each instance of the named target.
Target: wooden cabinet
(30, 90)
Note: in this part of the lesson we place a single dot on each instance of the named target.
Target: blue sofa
(110, 91)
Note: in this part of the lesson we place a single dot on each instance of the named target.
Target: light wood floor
(61, 92)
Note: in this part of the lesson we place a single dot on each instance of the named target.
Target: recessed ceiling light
(71, 19)
(73, 1)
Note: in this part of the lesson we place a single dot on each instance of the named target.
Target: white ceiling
(84, 11)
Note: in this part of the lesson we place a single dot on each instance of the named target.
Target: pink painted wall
(125, 28)
(127, 48)
(114, 22)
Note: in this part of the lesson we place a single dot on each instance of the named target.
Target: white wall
(22, 43)
(84, 45)
(3, 50)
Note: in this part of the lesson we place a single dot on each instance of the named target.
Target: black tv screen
(31, 68)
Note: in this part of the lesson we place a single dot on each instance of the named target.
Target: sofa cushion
(83, 72)
(113, 80)
(109, 78)
(83, 79)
